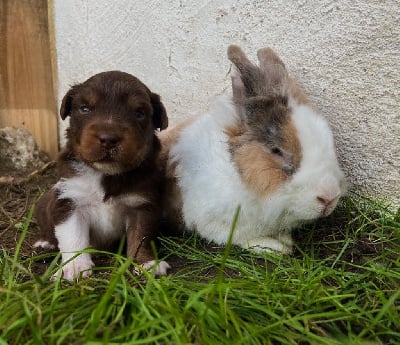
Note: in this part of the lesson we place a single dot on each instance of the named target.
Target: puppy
(111, 179)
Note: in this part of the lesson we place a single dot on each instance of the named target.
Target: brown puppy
(111, 180)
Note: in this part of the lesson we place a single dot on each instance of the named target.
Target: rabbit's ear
(237, 84)
(274, 70)
(238, 57)
(245, 75)
(268, 58)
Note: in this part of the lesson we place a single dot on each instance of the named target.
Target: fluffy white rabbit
(267, 150)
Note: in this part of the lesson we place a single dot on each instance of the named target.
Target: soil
(19, 194)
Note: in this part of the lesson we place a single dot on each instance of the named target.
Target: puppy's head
(113, 116)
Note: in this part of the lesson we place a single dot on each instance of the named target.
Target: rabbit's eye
(277, 151)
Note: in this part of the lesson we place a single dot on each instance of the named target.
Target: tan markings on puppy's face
(113, 146)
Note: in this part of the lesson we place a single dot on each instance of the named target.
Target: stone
(19, 152)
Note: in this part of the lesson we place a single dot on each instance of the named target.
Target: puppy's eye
(84, 109)
(139, 114)
(277, 151)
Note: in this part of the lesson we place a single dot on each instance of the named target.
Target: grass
(340, 287)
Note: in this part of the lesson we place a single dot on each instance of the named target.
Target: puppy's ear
(66, 104)
(160, 118)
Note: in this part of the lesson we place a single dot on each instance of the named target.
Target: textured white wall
(345, 53)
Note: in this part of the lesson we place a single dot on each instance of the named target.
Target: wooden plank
(27, 94)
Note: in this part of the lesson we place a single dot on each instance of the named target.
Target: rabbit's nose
(324, 200)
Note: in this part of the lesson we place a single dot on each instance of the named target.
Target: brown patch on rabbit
(298, 94)
(262, 169)
(260, 172)
(292, 143)
(171, 137)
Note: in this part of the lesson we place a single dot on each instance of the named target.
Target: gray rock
(19, 152)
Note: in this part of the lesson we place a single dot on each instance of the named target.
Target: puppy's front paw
(77, 268)
(158, 268)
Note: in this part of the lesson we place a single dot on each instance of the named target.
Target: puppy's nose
(108, 140)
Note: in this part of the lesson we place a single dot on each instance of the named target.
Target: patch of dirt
(17, 197)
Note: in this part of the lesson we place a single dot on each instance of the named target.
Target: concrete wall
(344, 53)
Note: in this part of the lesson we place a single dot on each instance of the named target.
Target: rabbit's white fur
(211, 188)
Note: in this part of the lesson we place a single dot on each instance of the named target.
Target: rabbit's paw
(268, 244)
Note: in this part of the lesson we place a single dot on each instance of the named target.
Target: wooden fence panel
(27, 96)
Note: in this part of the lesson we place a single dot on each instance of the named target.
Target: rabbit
(266, 149)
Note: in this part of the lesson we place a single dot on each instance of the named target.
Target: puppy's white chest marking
(105, 219)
